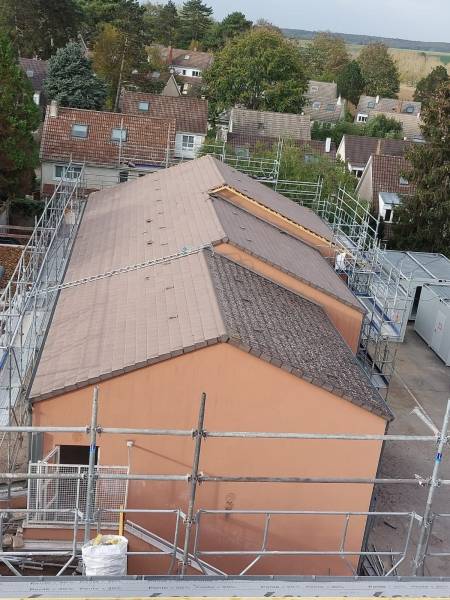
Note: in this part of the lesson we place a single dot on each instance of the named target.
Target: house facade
(324, 104)
(188, 67)
(190, 114)
(111, 147)
(248, 311)
(36, 71)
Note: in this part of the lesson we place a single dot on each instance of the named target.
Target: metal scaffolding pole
(91, 468)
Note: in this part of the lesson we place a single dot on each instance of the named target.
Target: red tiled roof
(148, 139)
(191, 114)
(386, 174)
(195, 60)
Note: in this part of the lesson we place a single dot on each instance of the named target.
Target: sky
(423, 20)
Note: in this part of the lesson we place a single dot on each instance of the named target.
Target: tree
(350, 82)
(427, 87)
(379, 71)
(71, 81)
(332, 55)
(383, 127)
(260, 70)
(231, 26)
(423, 221)
(195, 21)
(126, 15)
(40, 27)
(19, 117)
(161, 22)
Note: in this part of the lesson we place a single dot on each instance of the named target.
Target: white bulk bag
(106, 555)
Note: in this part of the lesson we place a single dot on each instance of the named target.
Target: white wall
(188, 153)
(187, 71)
(95, 177)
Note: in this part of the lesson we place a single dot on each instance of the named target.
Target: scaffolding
(185, 550)
(27, 302)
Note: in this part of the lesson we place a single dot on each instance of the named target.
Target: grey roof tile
(271, 124)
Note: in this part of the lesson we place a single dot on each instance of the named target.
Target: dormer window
(316, 105)
(119, 135)
(195, 73)
(79, 130)
(143, 106)
(404, 181)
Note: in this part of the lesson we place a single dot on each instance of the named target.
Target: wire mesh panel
(65, 489)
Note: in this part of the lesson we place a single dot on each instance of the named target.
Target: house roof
(327, 108)
(386, 173)
(191, 114)
(369, 104)
(147, 138)
(254, 142)
(192, 59)
(36, 71)
(270, 124)
(358, 148)
(410, 124)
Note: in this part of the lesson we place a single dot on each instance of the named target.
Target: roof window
(79, 130)
(409, 109)
(187, 56)
(30, 73)
(119, 135)
(330, 107)
(371, 104)
(316, 105)
(404, 181)
(314, 88)
(143, 106)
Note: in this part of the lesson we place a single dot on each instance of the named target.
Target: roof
(420, 265)
(369, 104)
(323, 103)
(359, 148)
(282, 250)
(387, 175)
(147, 138)
(36, 71)
(441, 291)
(255, 142)
(9, 257)
(100, 330)
(191, 114)
(410, 124)
(270, 124)
(195, 60)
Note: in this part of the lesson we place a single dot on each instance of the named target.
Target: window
(330, 107)
(119, 135)
(388, 215)
(371, 104)
(358, 172)
(156, 74)
(314, 88)
(62, 172)
(403, 181)
(316, 105)
(30, 73)
(184, 71)
(143, 106)
(79, 131)
(361, 118)
(195, 73)
(187, 142)
(123, 176)
(187, 56)
(409, 109)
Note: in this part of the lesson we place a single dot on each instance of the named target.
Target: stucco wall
(186, 153)
(243, 393)
(365, 188)
(346, 319)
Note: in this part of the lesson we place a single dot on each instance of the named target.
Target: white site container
(105, 559)
(433, 319)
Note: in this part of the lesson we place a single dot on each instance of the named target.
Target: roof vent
(53, 109)
(187, 56)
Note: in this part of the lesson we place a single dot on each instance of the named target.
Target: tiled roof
(254, 142)
(36, 71)
(278, 248)
(195, 60)
(369, 104)
(289, 331)
(387, 172)
(270, 124)
(322, 102)
(191, 114)
(410, 124)
(359, 148)
(147, 143)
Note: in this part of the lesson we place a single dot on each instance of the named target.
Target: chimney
(53, 108)
(377, 100)
(328, 145)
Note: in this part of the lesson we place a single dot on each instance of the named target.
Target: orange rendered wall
(347, 320)
(244, 393)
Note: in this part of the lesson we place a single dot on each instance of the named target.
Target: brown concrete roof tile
(271, 124)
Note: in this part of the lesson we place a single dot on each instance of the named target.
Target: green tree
(71, 81)
(40, 27)
(379, 71)
(423, 221)
(19, 117)
(427, 87)
(125, 15)
(383, 127)
(332, 55)
(259, 69)
(351, 82)
(231, 26)
(195, 22)
(162, 22)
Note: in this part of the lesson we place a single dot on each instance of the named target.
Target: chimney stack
(328, 145)
(54, 108)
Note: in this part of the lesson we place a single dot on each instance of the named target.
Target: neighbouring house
(324, 104)
(369, 106)
(355, 150)
(411, 125)
(36, 71)
(113, 147)
(248, 310)
(190, 114)
(384, 184)
(264, 124)
(246, 145)
(187, 66)
(171, 87)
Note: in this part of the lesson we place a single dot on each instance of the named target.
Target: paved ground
(421, 380)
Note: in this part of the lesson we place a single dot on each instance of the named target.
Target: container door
(438, 332)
